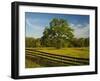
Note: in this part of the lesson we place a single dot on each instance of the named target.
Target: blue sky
(36, 22)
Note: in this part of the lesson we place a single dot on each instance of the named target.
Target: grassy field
(72, 52)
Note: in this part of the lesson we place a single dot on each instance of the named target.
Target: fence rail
(54, 58)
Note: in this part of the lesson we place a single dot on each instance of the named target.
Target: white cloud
(80, 30)
(33, 29)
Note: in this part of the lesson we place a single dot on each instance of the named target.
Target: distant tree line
(59, 34)
(75, 42)
(32, 42)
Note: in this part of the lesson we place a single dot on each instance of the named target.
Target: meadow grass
(30, 64)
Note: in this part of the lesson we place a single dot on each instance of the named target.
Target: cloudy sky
(36, 22)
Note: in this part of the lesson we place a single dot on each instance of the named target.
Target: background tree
(57, 34)
(32, 42)
(29, 42)
(80, 42)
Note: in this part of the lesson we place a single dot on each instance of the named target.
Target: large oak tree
(57, 34)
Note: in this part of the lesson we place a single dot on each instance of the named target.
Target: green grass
(30, 64)
(73, 52)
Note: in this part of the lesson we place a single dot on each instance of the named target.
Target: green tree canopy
(57, 34)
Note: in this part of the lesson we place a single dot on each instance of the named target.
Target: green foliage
(57, 34)
(32, 42)
(80, 42)
(29, 42)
